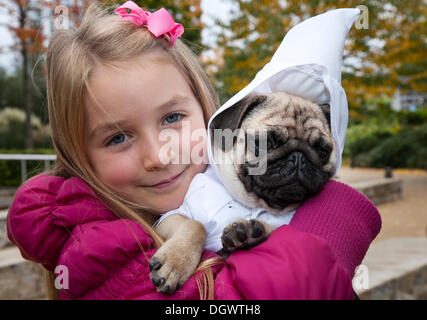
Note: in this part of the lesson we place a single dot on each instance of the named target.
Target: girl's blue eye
(117, 139)
(173, 117)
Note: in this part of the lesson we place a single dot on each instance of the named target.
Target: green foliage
(407, 149)
(12, 130)
(390, 53)
(10, 170)
(11, 93)
(398, 140)
(409, 118)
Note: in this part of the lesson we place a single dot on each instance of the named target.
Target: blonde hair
(72, 56)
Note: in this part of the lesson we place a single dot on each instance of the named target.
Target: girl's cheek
(170, 150)
(117, 171)
(198, 147)
(184, 146)
(192, 144)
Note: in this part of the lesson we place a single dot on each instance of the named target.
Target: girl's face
(125, 137)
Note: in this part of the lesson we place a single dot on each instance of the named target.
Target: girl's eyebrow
(105, 127)
(176, 99)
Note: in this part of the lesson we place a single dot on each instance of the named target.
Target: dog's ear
(232, 118)
(326, 109)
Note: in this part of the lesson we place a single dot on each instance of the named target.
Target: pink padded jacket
(56, 221)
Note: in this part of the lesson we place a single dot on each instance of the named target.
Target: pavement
(406, 217)
(6, 196)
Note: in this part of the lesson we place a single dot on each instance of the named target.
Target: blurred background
(384, 75)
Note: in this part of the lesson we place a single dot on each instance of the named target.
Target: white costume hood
(307, 64)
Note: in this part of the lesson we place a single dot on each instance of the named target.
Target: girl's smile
(167, 183)
(130, 105)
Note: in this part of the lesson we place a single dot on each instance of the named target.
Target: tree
(390, 53)
(11, 92)
(27, 28)
(405, 48)
(27, 31)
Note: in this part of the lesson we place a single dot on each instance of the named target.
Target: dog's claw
(170, 267)
(165, 289)
(227, 241)
(154, 265)
(243, 234)
(257, 229)
(159, 281)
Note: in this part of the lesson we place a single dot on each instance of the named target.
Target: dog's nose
(297, 158)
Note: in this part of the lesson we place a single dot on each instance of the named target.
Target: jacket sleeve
(61, 222)
(344, 218)
(289, 265)
(44, 212)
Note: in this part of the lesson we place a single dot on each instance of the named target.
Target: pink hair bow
(158, 23)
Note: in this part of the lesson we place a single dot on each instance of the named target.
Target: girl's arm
(343, 217)
(312, 258)
(45, 211)
(290, 264)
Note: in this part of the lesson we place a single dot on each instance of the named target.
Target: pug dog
(272, 151)
(298, 157)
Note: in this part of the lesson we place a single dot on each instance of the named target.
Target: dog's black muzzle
(288, 180)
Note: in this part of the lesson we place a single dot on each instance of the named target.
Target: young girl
(113, 86)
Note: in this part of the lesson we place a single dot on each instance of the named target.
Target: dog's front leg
(178, 257)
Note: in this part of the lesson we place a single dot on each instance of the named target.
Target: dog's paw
(171, 266)
(244, 234)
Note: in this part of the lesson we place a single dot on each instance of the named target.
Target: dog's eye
(322, 153)
(269, 144)
(265, 146)
(255, 145)
(323, 149)
(274, 140)
(259, 146)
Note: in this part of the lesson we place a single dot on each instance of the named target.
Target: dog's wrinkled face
(274, 150)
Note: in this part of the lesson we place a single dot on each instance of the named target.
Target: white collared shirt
(208, 201)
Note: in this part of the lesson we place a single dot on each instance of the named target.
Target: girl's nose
(155, 156)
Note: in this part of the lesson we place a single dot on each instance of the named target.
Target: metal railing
(25, 157)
